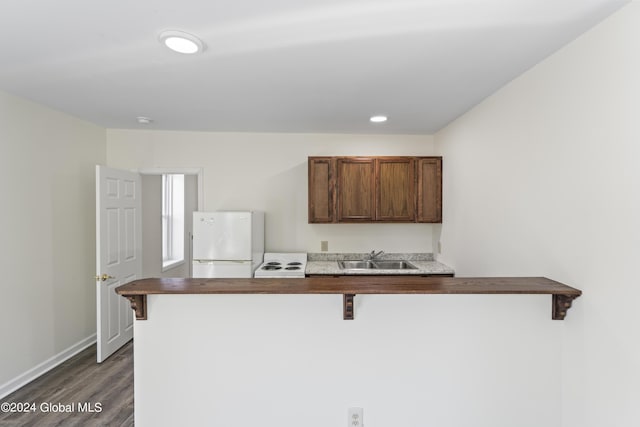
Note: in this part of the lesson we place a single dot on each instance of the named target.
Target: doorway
(152, 236)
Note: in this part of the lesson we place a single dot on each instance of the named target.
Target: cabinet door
(429, 189)
(395, 187)
(355, 187)
(321, 189)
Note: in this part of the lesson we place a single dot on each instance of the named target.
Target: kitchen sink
(394, 265)
(359, 265)
(372, 265)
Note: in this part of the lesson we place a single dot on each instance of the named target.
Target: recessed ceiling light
(144, 120)
(181, 42)
(378, 119)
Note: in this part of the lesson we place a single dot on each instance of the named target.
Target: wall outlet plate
(324, 245)
(354, 418)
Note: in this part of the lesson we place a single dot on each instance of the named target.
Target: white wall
(269, 172)
(47, 255)
(291, 360)
(543, 179)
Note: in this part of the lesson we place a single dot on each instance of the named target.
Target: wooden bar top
(349, 286)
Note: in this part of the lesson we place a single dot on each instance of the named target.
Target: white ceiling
(280, 65)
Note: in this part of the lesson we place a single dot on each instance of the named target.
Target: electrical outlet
(439, 247)
(354, 418)
(324, 245)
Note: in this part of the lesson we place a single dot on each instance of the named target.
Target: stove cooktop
(279, 264)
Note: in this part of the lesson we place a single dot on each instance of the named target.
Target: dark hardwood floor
(78, 392)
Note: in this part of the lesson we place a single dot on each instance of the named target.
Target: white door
(119, 254)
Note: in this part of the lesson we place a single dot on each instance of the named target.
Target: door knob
(104, 277)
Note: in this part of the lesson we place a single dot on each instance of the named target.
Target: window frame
(172, 220)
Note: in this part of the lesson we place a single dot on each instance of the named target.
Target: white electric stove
(278, 264)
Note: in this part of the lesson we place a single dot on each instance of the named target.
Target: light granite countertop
(327, 264)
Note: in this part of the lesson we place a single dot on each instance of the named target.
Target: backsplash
(328, 256)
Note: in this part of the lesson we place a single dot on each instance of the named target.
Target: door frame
(199, 173)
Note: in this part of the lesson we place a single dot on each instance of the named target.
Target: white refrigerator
(227, 243)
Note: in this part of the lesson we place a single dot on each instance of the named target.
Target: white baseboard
(33, 373)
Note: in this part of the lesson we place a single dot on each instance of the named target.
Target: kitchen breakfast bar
(349, 286)
(277, 352)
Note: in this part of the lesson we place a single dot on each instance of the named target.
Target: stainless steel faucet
(373, 255)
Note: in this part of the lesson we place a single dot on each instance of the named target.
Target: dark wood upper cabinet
(429, 189)
(375, 189)
(356, 189)
(321, 189)
(395, 189)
